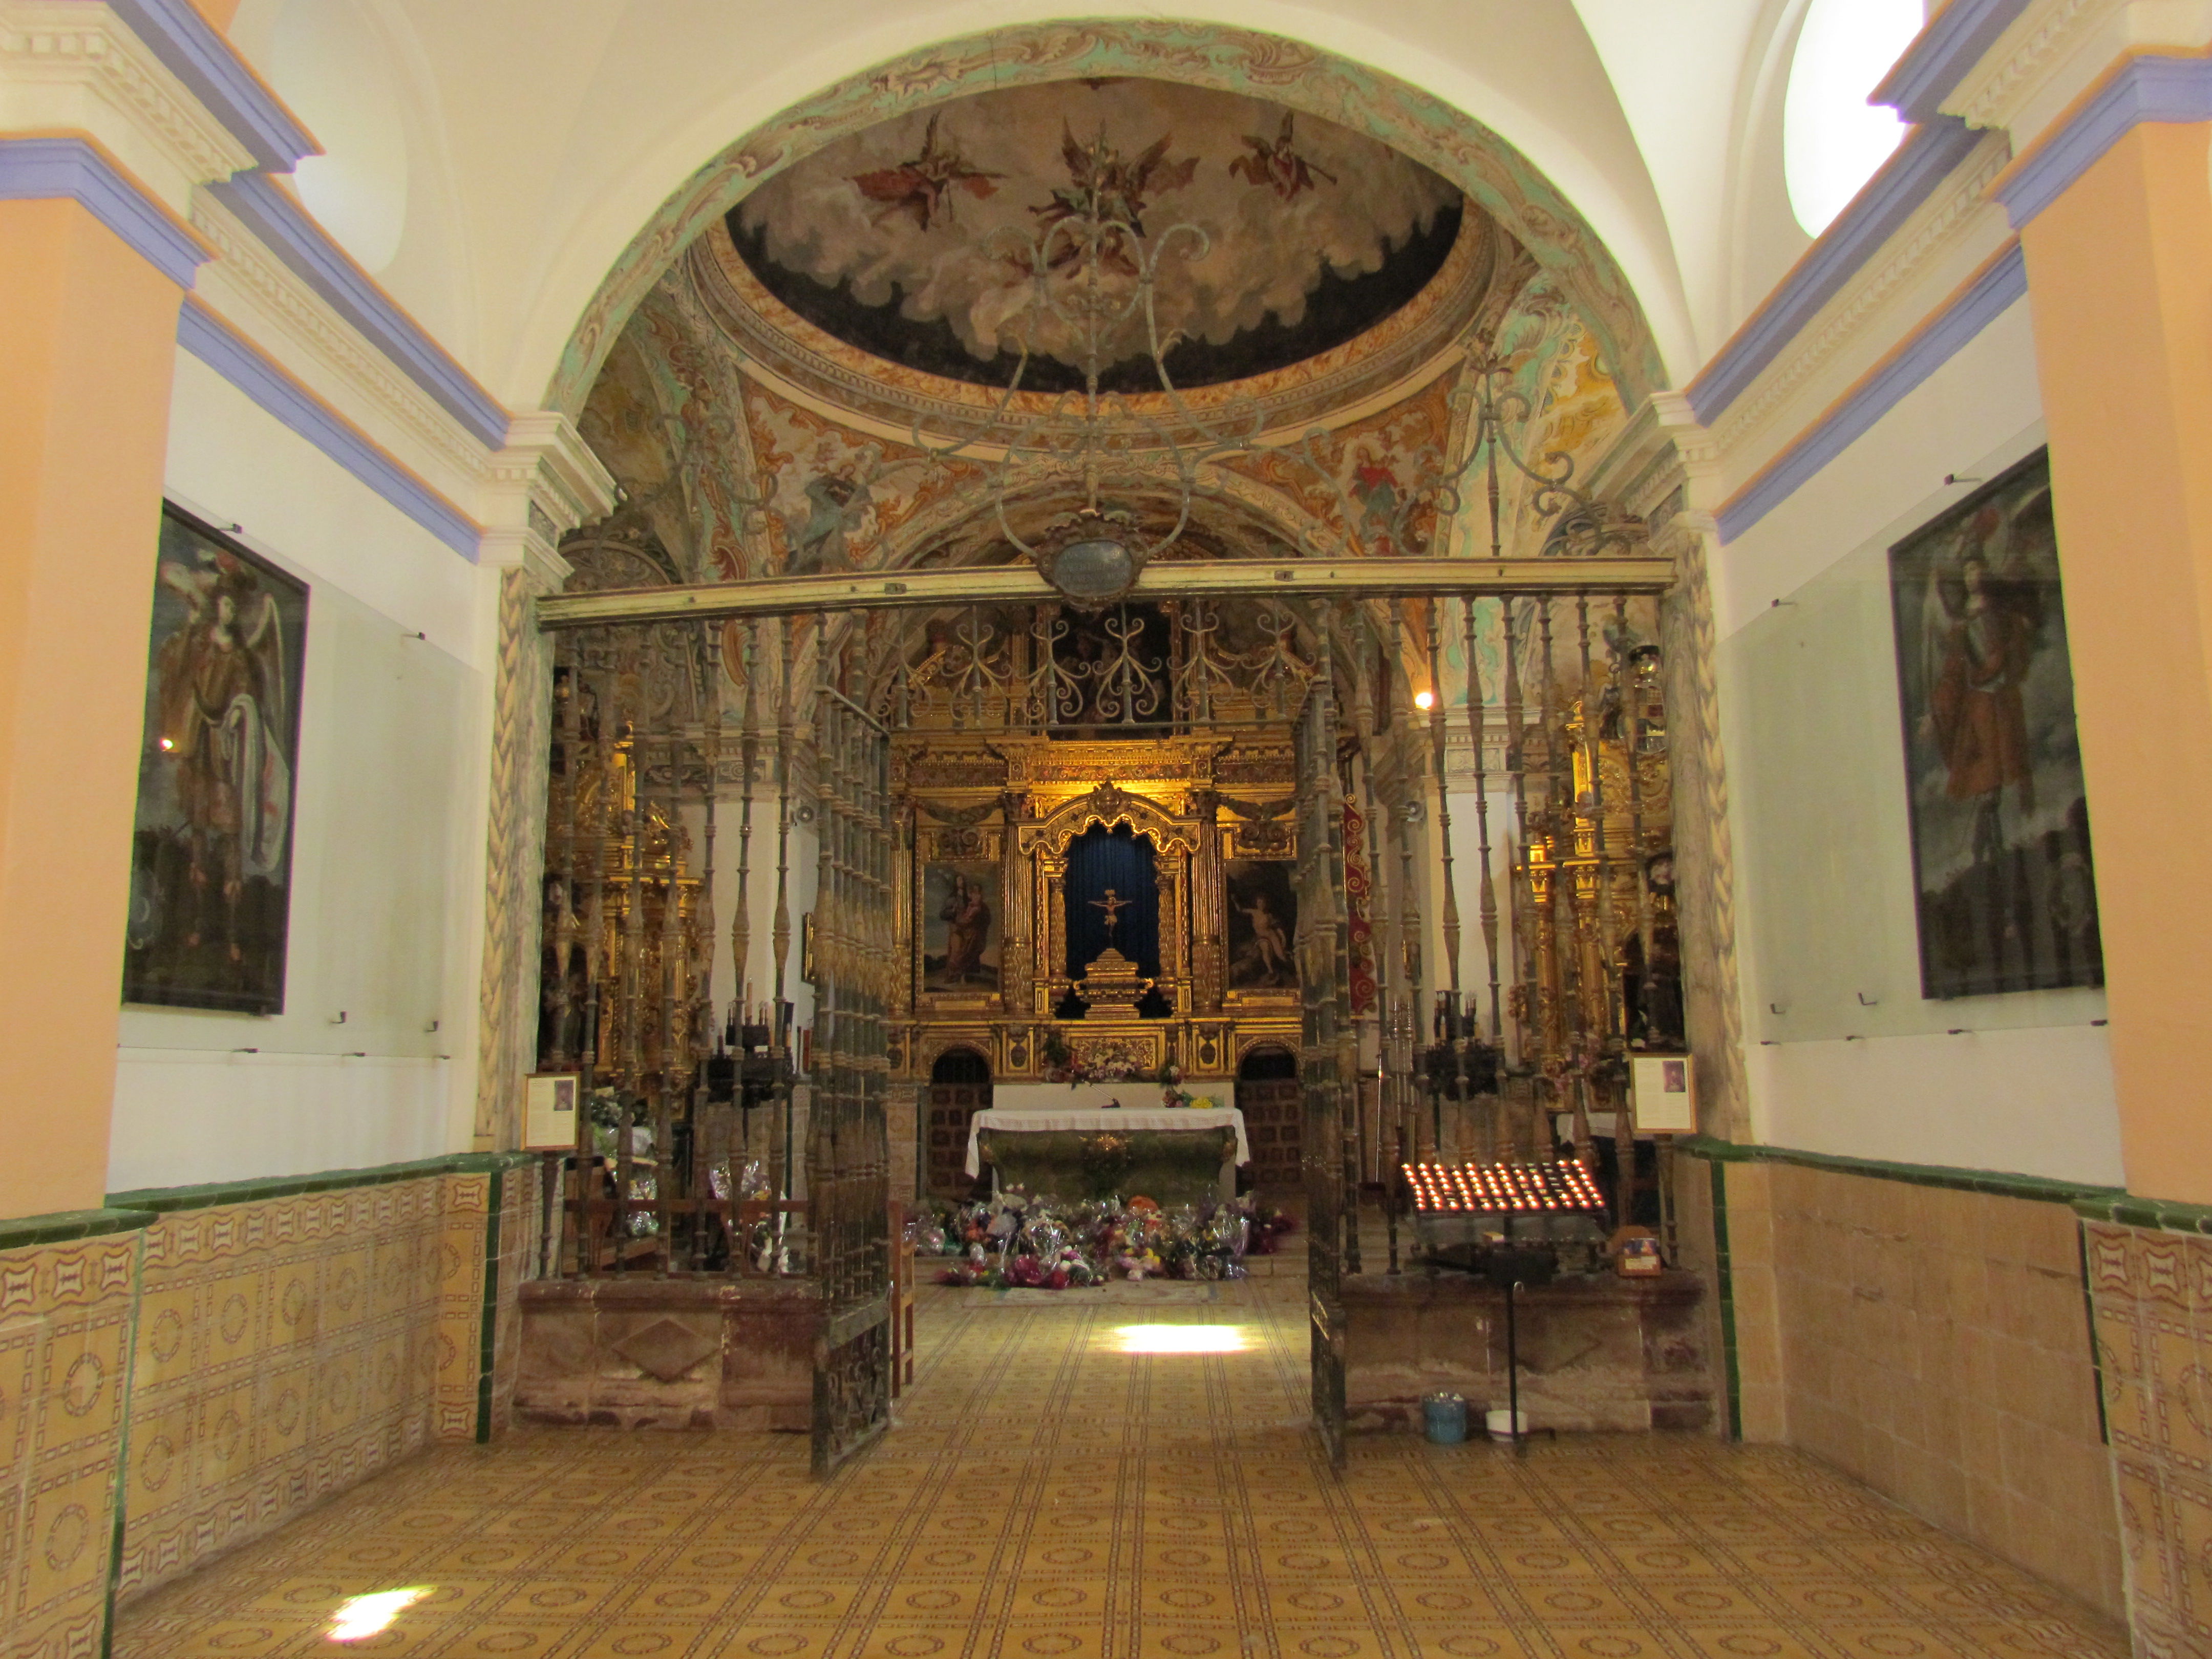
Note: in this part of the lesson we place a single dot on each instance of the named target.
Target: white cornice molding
(1662, 450)
(1844, 331)
(68, 65)
(2058, 50)
(301, 329)
(543, 484)
(2025, 58)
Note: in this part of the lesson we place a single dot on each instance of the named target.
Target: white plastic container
(1500, 1423)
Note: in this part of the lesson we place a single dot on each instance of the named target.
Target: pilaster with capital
(1664, 469)
(545, 483)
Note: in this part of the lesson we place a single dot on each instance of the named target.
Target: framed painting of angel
(2006, 891)
(212, 847)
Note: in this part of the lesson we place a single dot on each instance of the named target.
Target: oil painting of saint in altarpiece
(2007, 892)
(961, 907)
(211, 850)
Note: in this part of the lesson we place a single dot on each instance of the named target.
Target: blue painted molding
(1930, 154)
(51, 169)
(306, 248)
(2001, 284)
(189, 47)
(1955, 40)
(2147, 89)
(240, 361)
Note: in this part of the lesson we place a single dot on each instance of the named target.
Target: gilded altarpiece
(1012, 806)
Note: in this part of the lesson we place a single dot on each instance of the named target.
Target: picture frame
(2004, 883)
(1662, 1094)
(209, 925)
(550, 1101)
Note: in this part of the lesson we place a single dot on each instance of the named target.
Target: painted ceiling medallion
(912, 240)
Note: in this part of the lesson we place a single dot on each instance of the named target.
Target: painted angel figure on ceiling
(921, 188)
(1274, 164)
(1115, 192)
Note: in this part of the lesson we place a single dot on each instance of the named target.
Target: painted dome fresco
(1273, 238)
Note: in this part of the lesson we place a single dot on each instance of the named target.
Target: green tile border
(2040, 1188)
(1724, 1272)
(2091, 1203)
(129, 1386)
(166, 1200)
(64, 1226)
(488, 1335)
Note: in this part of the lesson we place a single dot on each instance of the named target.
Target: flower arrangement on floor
(1020, 1243)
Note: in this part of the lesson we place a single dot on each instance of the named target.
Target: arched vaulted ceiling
(548, 131)
(779, 399)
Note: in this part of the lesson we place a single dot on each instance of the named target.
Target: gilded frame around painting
(210, 920)
(2004, 885)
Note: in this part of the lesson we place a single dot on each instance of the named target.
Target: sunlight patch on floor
(360, 1617)
(1182, 1339)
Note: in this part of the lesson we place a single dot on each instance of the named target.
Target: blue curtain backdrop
(1099, 859)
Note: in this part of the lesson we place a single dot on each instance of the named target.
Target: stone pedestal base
(669, 1353)
(1597, 1353)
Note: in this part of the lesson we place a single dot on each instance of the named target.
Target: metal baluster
(780, 927)
(632, 1077)
(1409, 929)
(1559, 814)
(599, 968)
(1623, 1133)
(1433, 619)
(708, 1140)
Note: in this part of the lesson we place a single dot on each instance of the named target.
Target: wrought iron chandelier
(1071, 482)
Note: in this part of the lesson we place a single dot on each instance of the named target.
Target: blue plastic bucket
(1445, 1414)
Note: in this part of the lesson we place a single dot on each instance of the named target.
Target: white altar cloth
(1093, 1120)
(1141, 1093)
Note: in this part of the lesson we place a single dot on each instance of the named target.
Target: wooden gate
(1327, 1060)
(848, 1150)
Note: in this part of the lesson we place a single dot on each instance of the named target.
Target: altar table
(1134, 1093)
(1168, 1153)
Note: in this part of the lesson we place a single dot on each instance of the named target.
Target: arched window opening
(1832, 140)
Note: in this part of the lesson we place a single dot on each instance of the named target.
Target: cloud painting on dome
(918, 239)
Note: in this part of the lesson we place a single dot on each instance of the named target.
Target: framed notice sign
(1662, 1091)
(548, 1112)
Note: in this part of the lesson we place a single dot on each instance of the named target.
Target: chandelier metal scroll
(1095, 485)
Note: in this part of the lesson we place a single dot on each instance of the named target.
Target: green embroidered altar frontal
(1170, 1166)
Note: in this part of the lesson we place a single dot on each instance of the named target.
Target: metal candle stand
(1506, 1190)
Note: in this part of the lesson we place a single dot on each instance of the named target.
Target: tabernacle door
(1326, 1063)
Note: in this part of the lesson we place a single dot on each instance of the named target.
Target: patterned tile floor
(1047, 1493)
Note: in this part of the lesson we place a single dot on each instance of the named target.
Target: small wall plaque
(1663, 1093)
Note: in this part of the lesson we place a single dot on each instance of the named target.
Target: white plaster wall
(386, 826)
(1845, 1055)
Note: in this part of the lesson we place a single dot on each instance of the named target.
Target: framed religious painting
(211, 846)
(1262, 901)
(960, 933)
(2005, 887)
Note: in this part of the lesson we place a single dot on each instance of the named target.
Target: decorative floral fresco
(834, 495)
